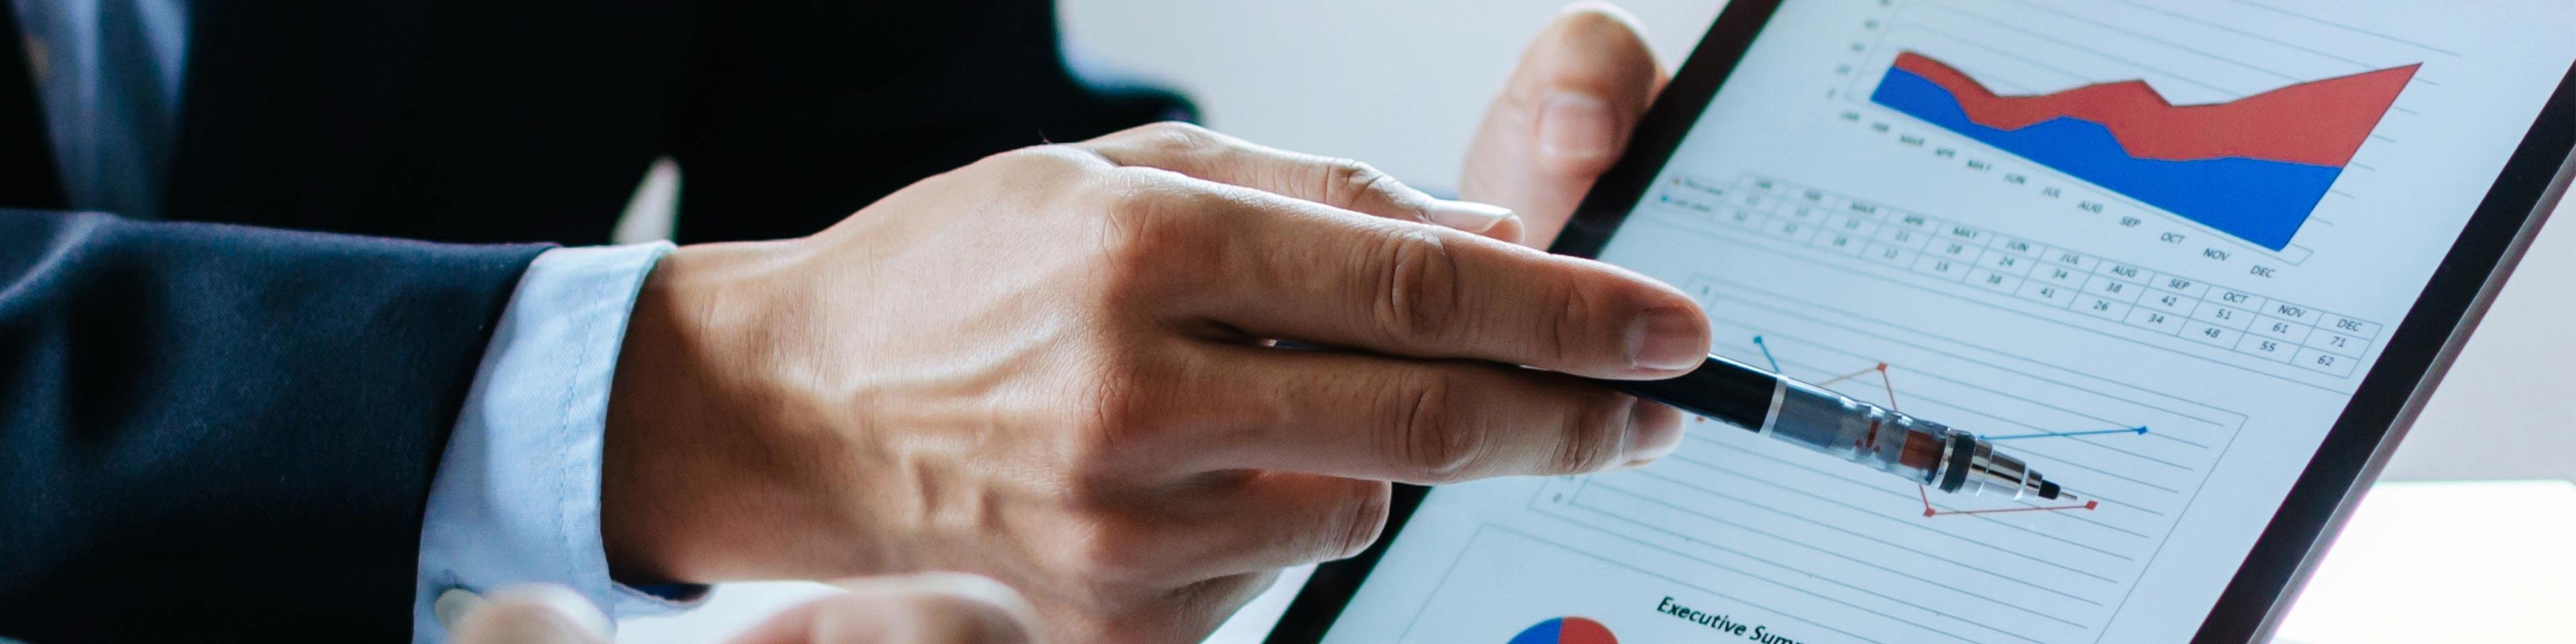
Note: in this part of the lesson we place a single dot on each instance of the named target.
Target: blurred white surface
(1401, 85)
(2446, 562)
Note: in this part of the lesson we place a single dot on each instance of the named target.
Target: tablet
(2201, 261)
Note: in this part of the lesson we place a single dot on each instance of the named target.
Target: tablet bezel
(2419, 349)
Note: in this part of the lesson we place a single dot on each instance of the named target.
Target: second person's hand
(1050, 368)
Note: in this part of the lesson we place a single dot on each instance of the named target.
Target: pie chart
(1566, 630)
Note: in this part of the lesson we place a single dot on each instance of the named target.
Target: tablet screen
(2152, 247)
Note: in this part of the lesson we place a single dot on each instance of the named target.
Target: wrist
(692, 487)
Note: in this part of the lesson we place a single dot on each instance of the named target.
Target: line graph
(1887, 385)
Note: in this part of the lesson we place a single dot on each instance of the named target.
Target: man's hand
(1052, 367)
(1564, 116)
(918, 609)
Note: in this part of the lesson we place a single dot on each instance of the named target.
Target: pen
(1818, 419)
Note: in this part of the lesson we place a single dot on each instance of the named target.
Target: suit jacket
(216, 432)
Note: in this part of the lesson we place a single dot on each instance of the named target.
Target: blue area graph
(2262, 202)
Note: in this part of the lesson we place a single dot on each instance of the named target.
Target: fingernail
(452, 606)
(1468, 215)
(1575, 125)
(1665, 340)
(1654, 431)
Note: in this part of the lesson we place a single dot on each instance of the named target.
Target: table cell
(2117, 290)
(1866, 209)
(1902, 237)
(1751, 183)
(2293, 312)
(1828, 202)
(2336, 343)
(1891, 255)
(1931, 264)
(2185, 286)
(2059, 275)
(1954, 249)
(1791, 229)
(2105, 308)
(1853, 224)
(2006, 262)
(2226, 316)
(2348, 326)
(1741, 218)
(1839, 241)
(1994, 281)
(2221, 337)
(2325, 362)
(2173, 303)
(1761, 202)
(2127, 272)
(1971, 236)
(2147, 318)
(1915, 221)
(2080, 262)
(2238, 299)
(2022, 247)
(2057, 295)
(2280, 329)
(2268, 348)
(1803, 212)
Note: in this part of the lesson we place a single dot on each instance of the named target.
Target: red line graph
(2320, 122)
(1928, 511)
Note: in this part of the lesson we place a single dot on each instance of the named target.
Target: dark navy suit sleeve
(216, 432)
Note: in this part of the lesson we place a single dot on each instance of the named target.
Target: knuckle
(1150, 231)
(1427, 436)
(1347, 182)
(1567, 333)
(1115, 553)
(1366, 520)
(1418, 296)
(1593, 433)
(1052, 161)
(1122, 409)
(1179, 137)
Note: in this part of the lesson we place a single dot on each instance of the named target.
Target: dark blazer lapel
(28, 177)
(288, 107)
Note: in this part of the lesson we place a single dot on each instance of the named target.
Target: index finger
(1295, 270)
(1341, 183)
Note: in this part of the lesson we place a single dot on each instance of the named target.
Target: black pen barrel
(1723, 390)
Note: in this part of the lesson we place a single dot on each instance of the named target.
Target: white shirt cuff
(516, 498)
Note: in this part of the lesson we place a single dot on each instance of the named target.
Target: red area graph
(2320, 122)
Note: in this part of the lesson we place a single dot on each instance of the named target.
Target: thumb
(522, 615)
(1563, 117)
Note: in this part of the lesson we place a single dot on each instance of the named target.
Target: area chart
(2253, 168)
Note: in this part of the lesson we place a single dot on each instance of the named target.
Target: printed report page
(2150, 247)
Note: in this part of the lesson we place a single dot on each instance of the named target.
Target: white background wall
(1401, 83)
